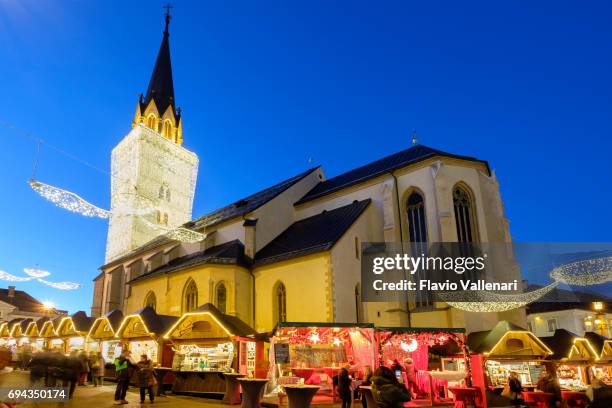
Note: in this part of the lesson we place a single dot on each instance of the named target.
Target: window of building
(280, 303)
(221, 298)
(165, 218)
(417, 223)
(552, 325)
(150, 300)
(151, 122)
(158, 216)
(168, 194)
(167, 129)
(190, 296)
(530, 327)
(161, 192)
(465, 219)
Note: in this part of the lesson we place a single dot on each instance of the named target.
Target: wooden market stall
(602, 368)
(101, 336)
(33, 333)
(427, 360)
(505, 348)
(573, 355)
(207, 344)
(73, 330)
(142, 333)
(49, 334)
(314, 353)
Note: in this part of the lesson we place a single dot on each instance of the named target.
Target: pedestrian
(55, 368)
(38, 368)
(146, 379)
(123, 371)
(84, 359)
(411, 383)
(513, 388)
(26, 356)
(73, 367)
(97, 369)
(366, 381)
(344, 387)
(548, 382)
(387, 390)
(599, 394)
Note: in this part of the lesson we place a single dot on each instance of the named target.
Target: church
(291, 252)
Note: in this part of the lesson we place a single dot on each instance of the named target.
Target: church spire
(157, 108)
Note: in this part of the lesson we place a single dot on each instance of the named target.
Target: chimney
(249, 237)
(11, 293)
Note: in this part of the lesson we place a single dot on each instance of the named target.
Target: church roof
(387, 164)
(229, 253)
(310, 235)
(161, 85)
(236, 209)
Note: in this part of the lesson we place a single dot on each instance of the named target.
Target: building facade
(17, 304)
(291, 252)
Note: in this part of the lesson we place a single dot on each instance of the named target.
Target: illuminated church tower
(153, 177)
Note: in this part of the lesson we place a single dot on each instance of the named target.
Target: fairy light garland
(37, 275)
(584, 273)
(67, 200)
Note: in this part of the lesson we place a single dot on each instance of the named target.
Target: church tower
(153, 177)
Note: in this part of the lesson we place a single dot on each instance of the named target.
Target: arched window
(150, 300)
(161, 191)
(358, 304)
(465, 218)
(221, 298)
(158, 216)
(417, 223)
(190, 296)
(168, 194)
(151, 122)
(167, 129)
(165, 218)
(280, 303)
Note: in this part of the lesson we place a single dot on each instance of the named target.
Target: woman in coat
(387, 391)
(97, 369)
(344, 388)
(146, 379)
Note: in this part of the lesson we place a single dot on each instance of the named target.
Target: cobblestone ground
(94, 397)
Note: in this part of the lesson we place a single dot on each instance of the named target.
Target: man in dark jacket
(71, 373)
(387, 391)
(123, 372)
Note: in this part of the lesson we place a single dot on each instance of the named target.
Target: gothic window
(280, 303)
(150, 300)
(417, 223)
(465, 219)
(165, 218)
(168, 194)
(161, 192)
(151, 122)
(221, 298)
(158, 216)
(190, 296)
(167, 129)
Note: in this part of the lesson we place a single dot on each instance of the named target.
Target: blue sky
(266, 85)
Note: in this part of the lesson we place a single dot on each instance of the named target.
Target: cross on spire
(414, 137)
(168, 16)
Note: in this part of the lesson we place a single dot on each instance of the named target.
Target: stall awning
(567, 346)
(77, 324)
(106, 326)
(19, 328)
(34, 327)
(207, 322)
(507, 340)
(144, 323)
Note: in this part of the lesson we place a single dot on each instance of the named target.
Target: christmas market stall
(4, 334)
(505, 348)
(427, 360)
(101, 336)
(572, 356)
(48, 333)
(602, 367)
(33, 333)
(73, 330)
(314, 353)
(141, 333)
(208, 345)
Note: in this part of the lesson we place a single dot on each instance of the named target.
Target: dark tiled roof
(82, 322)
(385, 165)
(563, 299)
(114, 317)
(314, 234)
(233, 324)
(22, 300)
(484, 341)
(229, 253)
(236, 209)
(560, 343)
(156, 323)
(597, 340)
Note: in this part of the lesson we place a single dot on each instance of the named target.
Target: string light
(584, 273)
(5, 276)
(67, 200)
(36, 273)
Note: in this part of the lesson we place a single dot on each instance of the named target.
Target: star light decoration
(587, 272)
(74, 203)
(37, 275)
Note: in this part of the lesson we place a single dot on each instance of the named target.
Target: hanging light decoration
(5, 276)
(584, 273)
(410, 345)
(36, 273)
(60, 285)
(67, 200)
(314, 337)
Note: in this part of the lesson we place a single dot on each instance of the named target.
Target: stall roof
(156, 324)
(569, 346)
(421, 329)
(324, 324)
(41, 322)
(80, 321)
(231, 324)
(597, 341)
(491, 341)
(114, 319)
(14, 324)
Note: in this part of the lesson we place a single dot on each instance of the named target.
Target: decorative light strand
(584, 273)
(37, 275)
(67, 200)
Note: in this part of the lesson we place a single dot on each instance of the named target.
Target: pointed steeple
(157, 108)
(161, 86)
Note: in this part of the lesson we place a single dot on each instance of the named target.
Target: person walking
(549, 383)
(344, 388)
(55, 368)
(123, 371)
(387, 390)
(146, 379)
(97, 369)
(84, 367)
(71, 372)
(366, 381)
